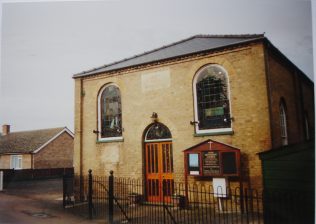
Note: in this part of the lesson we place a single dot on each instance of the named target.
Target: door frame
(144, 141)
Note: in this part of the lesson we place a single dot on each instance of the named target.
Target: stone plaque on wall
(155, 80)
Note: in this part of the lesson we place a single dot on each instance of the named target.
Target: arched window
(110, 112)
(211, 100)
(158, 131)
(283, 123)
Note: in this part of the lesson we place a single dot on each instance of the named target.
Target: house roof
(189, 46)
(29, 141)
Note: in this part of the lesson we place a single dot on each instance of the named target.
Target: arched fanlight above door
(158, 132)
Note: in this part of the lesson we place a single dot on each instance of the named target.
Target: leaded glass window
(158, 131)
(212, 99)
(111, 112)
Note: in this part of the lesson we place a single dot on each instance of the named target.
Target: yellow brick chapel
(137, 116)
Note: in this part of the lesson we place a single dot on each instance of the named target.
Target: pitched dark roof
(27, 141)
(192, 45)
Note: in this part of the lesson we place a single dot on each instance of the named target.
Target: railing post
(241, 196)
(246, 203)
(111, 196)
(90, 194)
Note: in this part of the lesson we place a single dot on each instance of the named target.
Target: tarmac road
(36, 202)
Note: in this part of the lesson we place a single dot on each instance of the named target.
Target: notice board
(212, 159)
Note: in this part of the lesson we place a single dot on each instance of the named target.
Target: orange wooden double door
(159, 171)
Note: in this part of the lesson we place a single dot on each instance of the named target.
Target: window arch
(211, 100)
(110, 112)
(158, 132)
(283, 123)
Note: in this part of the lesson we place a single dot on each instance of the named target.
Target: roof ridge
(42, 129)
(230, 35)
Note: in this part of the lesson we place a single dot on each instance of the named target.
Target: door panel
(159, 171)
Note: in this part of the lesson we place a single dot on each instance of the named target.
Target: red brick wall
(308, 105)
(287, 83)
(57, 154)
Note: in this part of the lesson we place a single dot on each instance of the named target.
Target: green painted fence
(289, 172)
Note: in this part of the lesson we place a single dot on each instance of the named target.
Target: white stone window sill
(221, 131)
(114, 139)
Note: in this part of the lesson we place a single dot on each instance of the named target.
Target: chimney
(5, 129)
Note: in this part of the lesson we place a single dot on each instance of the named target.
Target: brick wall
(57, 154)
(5, 161)
(172, 99)
(287, 83)
(308, 106)
(77, 127)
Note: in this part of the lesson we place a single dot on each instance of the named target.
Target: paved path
(36, 202)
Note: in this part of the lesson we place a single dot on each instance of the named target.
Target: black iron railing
(120, 200)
